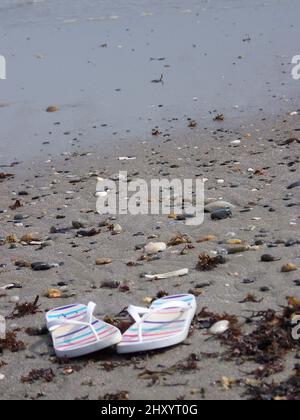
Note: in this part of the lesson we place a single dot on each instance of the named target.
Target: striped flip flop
(165, 324)
(76, 332)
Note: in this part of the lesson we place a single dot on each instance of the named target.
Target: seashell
(125, 158)
(178, 273)
(219, 327)
(155, 247)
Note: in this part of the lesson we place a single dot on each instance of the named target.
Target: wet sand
(96, 63)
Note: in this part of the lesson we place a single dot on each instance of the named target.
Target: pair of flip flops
(76, 332)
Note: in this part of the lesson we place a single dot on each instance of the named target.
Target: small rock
(117, 229)
(53, 294)
(287, 268)
(42, 266)
(221, 214)
(218, 205)
(155, 247)
(103, 261)
(269, 258)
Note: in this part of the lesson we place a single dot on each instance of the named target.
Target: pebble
(269, 258)
(103, 261)
(117, 229)
(294, 185)
(221, 214)
(2, 377)
(78, 224)
(42, 266)
(218, 205)
(287, 268)
(219, 327)
(155, 247)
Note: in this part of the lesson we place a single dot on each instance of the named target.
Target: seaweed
(35, 375)
(208, 263)
(24, 309)
(250, 298)
(118, 396)
(179, 239)
(11, 343)
(287, 390)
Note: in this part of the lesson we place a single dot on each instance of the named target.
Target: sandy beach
(227, 111)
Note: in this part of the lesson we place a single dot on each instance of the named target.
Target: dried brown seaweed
(11, 343)
(118, 396)
(208, 263)
(179, 239)
(24, 309)
(287, 390)
(35, 375)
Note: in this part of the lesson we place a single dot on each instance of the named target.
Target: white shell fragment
(122, 158)
(219, 327)
(178, 273)
(155, 247)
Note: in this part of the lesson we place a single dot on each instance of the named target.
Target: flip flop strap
(61, 321)
(136, 311)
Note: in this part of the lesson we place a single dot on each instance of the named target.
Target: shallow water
(96, 59)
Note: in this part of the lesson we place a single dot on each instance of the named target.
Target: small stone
(287, 268)
(117, 229)
(2, 377)
(78, 224)
(221, 214)
(52, 109)
(155, 247)
(234, 242)
(53, 294)
(269, 258)
(218, 205)
(42, 266)
(103, 261)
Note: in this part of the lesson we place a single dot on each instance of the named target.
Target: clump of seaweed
(35, 375)
(11, 343)
(287, 390)
(119, 396)
(24, 309)
(179, 239)
(208, 263)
